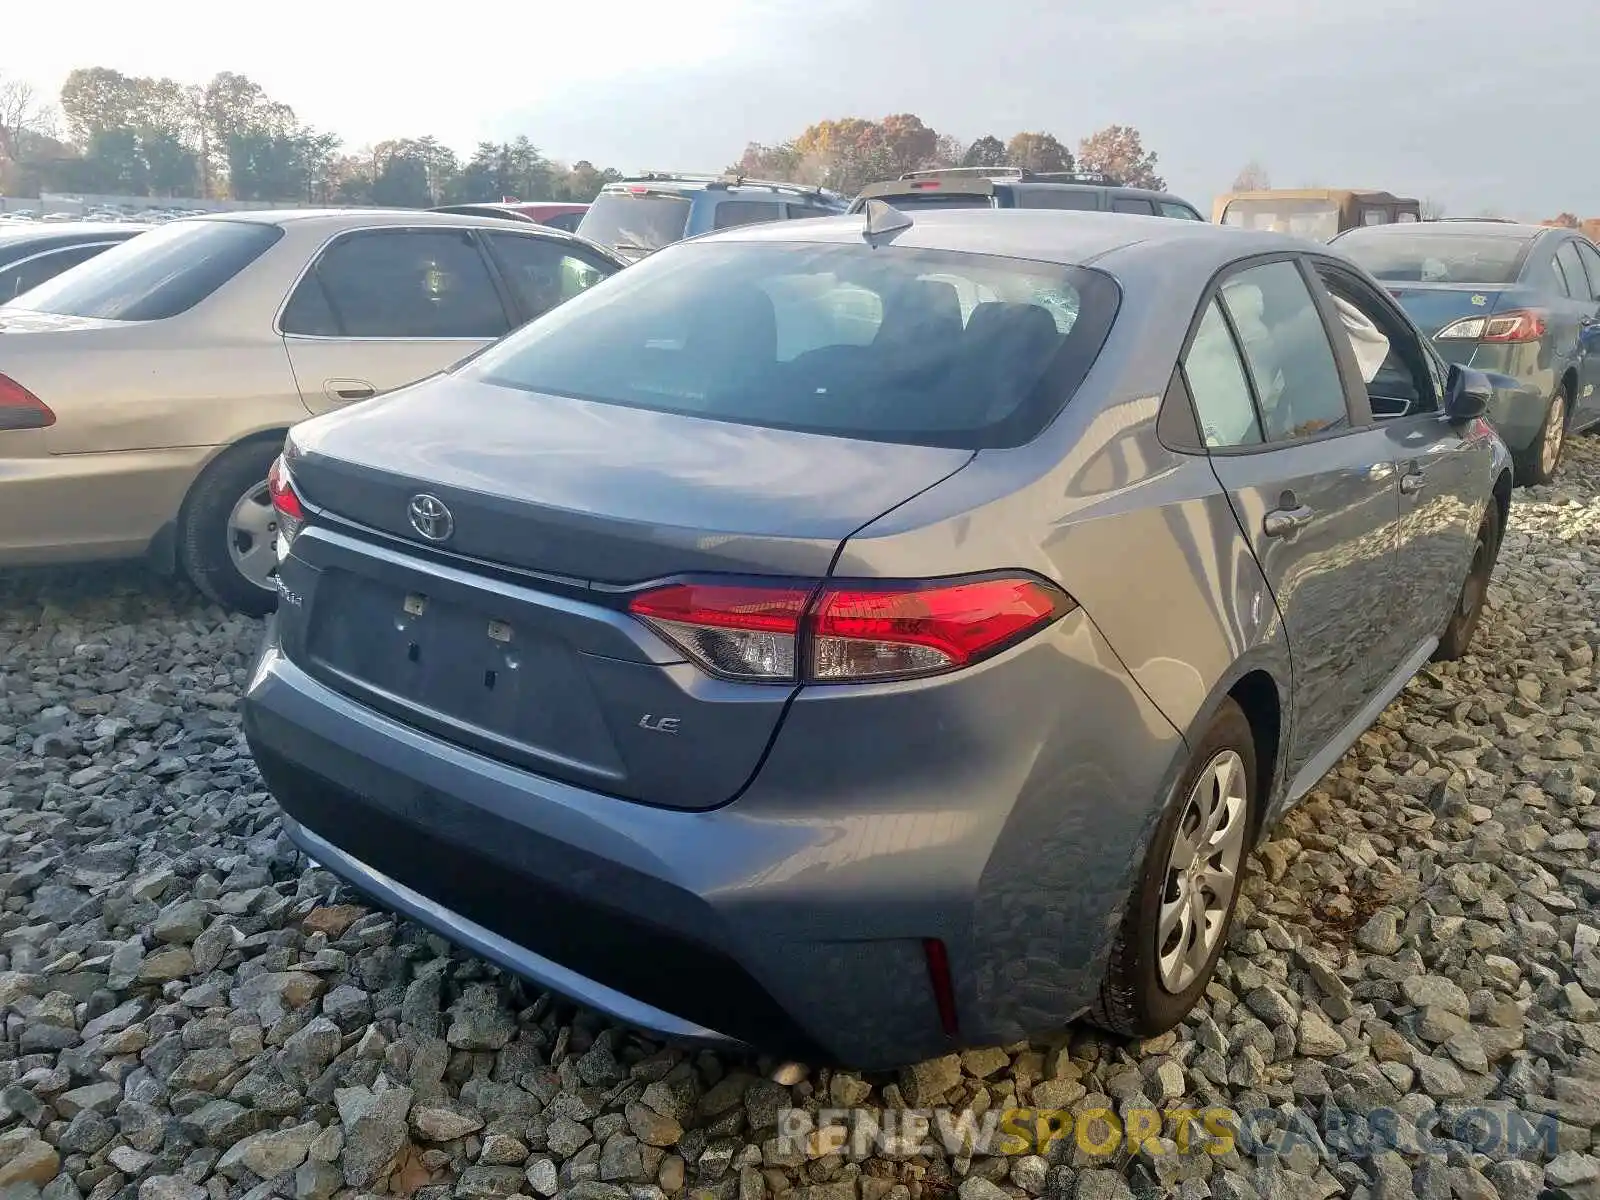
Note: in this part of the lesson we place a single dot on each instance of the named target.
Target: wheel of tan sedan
(1178, 916)
(227, 530)
(1539, 462)
(1463, 623)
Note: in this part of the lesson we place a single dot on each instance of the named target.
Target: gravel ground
(191, 1011)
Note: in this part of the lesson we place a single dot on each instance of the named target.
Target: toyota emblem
(430, 517)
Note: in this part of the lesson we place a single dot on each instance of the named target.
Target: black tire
(1457, 636)
(1133, 1001)
(203, 534)
(1529, 463)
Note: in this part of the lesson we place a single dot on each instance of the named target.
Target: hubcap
(1555, 430)
(1202, 872)
(252, 532)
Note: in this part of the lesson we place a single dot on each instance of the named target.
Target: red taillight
(848, 632)
(1514, 325)
(924, 185)
(286, 504)
(281, 488)
(21, 409)
(733, 630)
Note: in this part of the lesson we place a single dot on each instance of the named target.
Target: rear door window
(1180, 211)
(1073, 199)
(398, 283)
(543, 272)
(732, 213)
(158, 274)
(1286, 348)
(1129, 204)
(1572, 270)
(1591, 262)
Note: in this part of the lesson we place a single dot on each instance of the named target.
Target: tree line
(227, 139)
(845, 154)
(115, 134)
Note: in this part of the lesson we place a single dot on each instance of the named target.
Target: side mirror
(1467, 394)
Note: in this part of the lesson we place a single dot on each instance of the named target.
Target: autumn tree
(1564, 220)
(987, 151)
(1118, 151)
(1038, 152)
(1252, 177)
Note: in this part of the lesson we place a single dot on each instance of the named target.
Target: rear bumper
(793, 919)
(481, 940)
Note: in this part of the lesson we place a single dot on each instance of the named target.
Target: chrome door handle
(346, 390)
(1411, 483)
(1284, 521)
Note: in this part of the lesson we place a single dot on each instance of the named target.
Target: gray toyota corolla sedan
(862, 637)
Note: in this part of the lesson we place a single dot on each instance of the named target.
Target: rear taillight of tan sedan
(21, 409)
(848, 631)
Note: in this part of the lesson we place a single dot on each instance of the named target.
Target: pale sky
(1473, 103)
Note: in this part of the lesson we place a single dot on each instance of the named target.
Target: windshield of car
(635, 222)
(887, 344)
(1316, 219)
(155, 275)
(1436, 258)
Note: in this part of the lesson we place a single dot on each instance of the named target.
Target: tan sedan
(144, 394)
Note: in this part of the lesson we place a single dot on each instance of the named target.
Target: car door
(1444, 472)
(1589, 368)
(1312, 483)
(1570, 309)
(383, 307)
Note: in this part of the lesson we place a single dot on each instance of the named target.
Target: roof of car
(20, 231)
(364, 218)
(1478, 227)
(1044, 235)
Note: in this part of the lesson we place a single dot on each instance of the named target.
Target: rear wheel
(1540, 461)
(227, 531)
(1178, 916)
(1457, 636)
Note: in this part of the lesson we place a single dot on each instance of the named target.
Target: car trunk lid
(510, 635)
(1434, 305)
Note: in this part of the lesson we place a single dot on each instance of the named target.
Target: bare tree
(1252, 177)
(1432, 209)
(21, 112)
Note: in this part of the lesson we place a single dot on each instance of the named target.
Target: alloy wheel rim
(252, 537)
(1202, 872)
(1554, 431)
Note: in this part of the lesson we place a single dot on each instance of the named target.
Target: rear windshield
(905, 201)
(888, 344)
(1436, 258)
(155, 275)
(630, 222)
(1316, 219)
